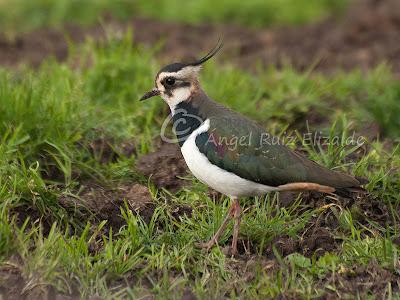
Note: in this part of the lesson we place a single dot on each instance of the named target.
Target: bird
(232, 153)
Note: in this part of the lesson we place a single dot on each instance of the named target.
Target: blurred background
(323, 34)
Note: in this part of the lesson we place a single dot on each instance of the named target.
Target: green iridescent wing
(242, 147)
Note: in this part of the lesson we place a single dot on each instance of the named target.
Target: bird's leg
(236, 214)
(221, 229)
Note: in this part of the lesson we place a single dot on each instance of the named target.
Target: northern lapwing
(231, 153)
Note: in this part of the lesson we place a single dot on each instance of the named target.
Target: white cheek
(178, 95)
(160, 87)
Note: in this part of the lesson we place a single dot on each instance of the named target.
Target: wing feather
(245, 149)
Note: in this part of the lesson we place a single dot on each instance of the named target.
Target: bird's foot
(233, 250)
(234, 212)
(229, 251)
(207, 245)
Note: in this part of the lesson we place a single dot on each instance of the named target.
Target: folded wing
(245, 149)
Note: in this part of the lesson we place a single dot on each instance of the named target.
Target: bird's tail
(348, 192)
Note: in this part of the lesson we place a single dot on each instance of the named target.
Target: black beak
(152, 93)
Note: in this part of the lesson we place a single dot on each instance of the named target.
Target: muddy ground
(367, 35)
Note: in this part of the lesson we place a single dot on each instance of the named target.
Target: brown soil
(14, 285)
(360, 280)
(105, 203)
(164, 167)
(367, 35)
(366, 280)
(316, 242)
(106, 150)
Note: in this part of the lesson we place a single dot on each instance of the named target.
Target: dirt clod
(102, 150)
(182, 211)
(11, 283)
(285, 245)
(105, 203)
(363, 280)
(105, 149)
(15, 285)
(164, 166)
(317, 243)
(374, 210)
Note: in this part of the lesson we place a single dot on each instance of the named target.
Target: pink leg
(236, 215)
(232, 213)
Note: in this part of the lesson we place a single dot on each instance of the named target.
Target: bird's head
(177, 82)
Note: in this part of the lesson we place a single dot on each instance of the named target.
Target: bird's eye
(170, 81)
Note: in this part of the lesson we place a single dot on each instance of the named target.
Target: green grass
(24, 15)
(251, 13)
(50, 116)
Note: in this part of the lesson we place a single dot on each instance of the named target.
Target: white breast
(223, 181)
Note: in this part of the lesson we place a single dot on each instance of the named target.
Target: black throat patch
(186, 119)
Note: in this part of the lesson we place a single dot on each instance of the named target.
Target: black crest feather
(210, 54)
(175, 67)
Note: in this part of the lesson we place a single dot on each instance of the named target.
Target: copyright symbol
(182, 124)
